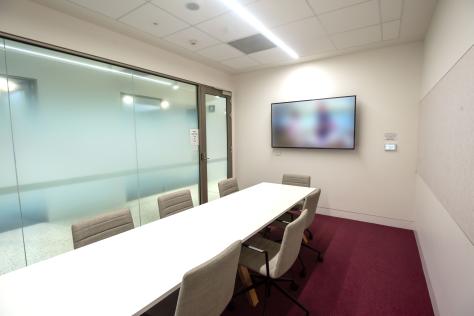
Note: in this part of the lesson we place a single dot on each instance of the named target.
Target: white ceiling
(313, 28)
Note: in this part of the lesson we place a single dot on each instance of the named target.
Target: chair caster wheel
(303, 273)
(294, 286)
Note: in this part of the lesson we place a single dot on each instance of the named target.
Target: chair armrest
(267, 263)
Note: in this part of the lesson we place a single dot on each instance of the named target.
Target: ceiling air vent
(252, 44)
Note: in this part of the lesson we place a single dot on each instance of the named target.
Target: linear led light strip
(259, 26)
(79, 63)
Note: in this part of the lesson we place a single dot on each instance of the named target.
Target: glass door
(216, 151)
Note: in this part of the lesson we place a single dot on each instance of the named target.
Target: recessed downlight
(193, 6)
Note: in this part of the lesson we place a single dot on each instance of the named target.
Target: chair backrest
(100, 227)
(311, 204)
(290, 245)
(174, 202)
(296, 179)
(207, 289)
(228, 186)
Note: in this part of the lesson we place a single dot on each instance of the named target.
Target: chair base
(270, 283)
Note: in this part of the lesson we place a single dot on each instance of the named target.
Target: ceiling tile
(207, 9)
(220, 52)
(192, 39)
(391, 30)
(391, 9)
(357, 37)
(321, 6)
(350, 18)
(278, 12)
(271, 56)
(306, 37)
(145, 17)
(240, 63)
(227, 27)
(111, 8)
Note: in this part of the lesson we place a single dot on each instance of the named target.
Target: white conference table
(128, 273)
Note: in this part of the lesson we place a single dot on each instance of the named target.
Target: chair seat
(256, 262)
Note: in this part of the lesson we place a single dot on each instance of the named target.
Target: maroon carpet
(368, 269)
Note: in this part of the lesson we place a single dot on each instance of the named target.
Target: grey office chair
(297, 180)
(174, 202)
(228, 186)
(310, 204)
(100, 227)
(207, 289)
(272, 260)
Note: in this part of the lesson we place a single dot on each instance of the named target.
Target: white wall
(448, 255)
(450, 35)
(366, 183)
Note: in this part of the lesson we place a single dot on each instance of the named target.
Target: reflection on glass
(88, 138)
(216, 137)
(12, 254)
(166, 159)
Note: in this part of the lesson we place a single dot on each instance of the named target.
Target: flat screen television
(318, 123)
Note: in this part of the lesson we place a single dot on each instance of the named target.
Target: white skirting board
(427, 276)
(387, 221)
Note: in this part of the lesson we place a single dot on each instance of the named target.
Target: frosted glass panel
(216, 136)
(80, 138)
(12, 254)
(74, 144)
(167, 160)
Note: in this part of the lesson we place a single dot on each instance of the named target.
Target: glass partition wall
(81, 137)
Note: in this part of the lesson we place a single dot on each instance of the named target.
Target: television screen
(320, 123)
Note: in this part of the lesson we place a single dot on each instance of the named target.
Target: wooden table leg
(244, 275)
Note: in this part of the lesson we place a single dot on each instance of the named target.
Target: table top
(128, 273)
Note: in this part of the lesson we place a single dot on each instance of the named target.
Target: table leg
(244, 275)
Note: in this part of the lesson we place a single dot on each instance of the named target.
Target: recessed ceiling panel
(351, 18)
(111, 8)
(271, 56)
(252, 44)
(306, 37)
(220, 52)
(358, 37)
(151, 19)
(391, 9)
(192, 39)
(277, 12)
(195, 11)
(321, 6)
(227, 27)
(391, 30)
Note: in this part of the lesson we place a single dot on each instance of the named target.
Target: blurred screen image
(323, 123)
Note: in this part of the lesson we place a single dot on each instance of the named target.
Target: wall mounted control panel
(390, 147)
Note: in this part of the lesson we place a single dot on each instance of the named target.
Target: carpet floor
(368, 269)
